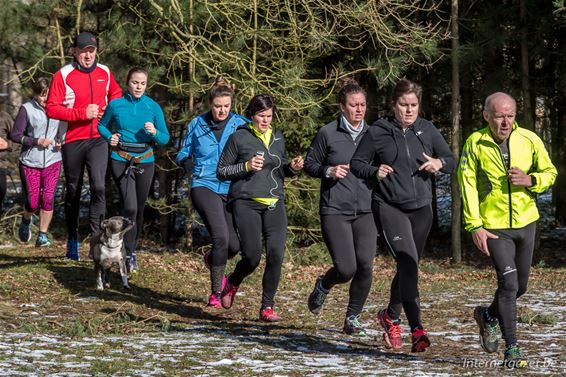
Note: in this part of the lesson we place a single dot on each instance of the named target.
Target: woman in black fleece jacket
(400, 154)
(346, 217)
(255, 161)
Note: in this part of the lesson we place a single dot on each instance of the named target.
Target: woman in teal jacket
(206, 137)
(138, 123)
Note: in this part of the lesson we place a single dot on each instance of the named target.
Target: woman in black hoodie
(345, 211)
(255, 161)
(401, 154)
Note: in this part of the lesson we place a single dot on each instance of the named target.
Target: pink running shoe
(392, 335)
(228, 294)
(214, 300)
(268, 315)
(420, 340)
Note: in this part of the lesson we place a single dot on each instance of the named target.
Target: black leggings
(3, 184)
(134, 188)
(352, 242)
(251, 216)
(512, 254)
(211, 207)
(405, 234)
(92, 154)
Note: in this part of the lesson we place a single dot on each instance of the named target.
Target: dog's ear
(103, 224)
(126, 229)
(127, 224)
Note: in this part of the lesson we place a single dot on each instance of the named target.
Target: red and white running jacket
(70, 93)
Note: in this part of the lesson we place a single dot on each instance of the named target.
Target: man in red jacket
(78, 95)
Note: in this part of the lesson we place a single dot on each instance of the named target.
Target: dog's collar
(112, 247)
(104, 242)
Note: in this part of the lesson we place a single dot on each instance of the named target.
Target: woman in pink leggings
(40, 161)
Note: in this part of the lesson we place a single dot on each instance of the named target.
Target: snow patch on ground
(207, 349)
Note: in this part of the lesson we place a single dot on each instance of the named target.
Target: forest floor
(53, 321)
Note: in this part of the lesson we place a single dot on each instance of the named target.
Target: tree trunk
(527, 117)
(559, 130)
(164, 180)
(559, 154)
(191, 108)
(456, 135)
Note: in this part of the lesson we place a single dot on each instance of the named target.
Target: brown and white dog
(107, 247)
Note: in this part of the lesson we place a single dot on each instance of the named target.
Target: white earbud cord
(272, 173)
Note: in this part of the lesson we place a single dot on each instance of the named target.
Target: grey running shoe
(352, 326)
(488, 330)
(24, 231)
(317, 297)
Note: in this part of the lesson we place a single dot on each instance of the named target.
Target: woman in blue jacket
(132, 125)
(206, 136)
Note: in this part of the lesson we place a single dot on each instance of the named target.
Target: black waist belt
(133, 147)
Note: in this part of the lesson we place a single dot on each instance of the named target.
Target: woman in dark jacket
(255, 160)
(401, 154)
(346, 218)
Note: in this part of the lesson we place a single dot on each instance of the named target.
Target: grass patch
(43, 293)
(532, 317)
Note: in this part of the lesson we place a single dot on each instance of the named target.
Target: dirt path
(54, 323)
(230, 348)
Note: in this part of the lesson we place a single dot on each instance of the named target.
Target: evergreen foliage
(297, 51)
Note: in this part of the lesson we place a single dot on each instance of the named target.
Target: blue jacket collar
(131, 98)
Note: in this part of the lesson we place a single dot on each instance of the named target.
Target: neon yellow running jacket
(489, 200)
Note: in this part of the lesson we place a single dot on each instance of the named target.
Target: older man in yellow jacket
(501, 170)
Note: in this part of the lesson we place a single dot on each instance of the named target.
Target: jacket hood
(390, 124)
(202, 119)
(248, 128)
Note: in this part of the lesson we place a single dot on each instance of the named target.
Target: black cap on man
(85, 39)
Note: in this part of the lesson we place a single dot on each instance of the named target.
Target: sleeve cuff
(327, 172)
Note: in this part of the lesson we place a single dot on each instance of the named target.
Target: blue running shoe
(132, 264)
(42, 240)
(73, 249)
(24, 231)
